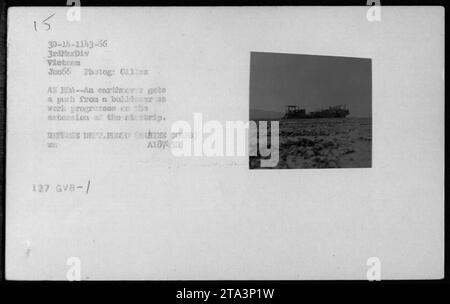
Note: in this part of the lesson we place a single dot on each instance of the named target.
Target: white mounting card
(105, 106)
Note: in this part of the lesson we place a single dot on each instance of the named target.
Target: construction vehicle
(296, 112)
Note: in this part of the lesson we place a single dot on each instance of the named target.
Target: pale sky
(310, 81)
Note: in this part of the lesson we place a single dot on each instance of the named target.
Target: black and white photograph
(323, 105)
(224, 153)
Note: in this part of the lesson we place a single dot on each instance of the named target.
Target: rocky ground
(323, 143)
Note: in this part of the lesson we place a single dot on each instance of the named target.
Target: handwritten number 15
(44, 22)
